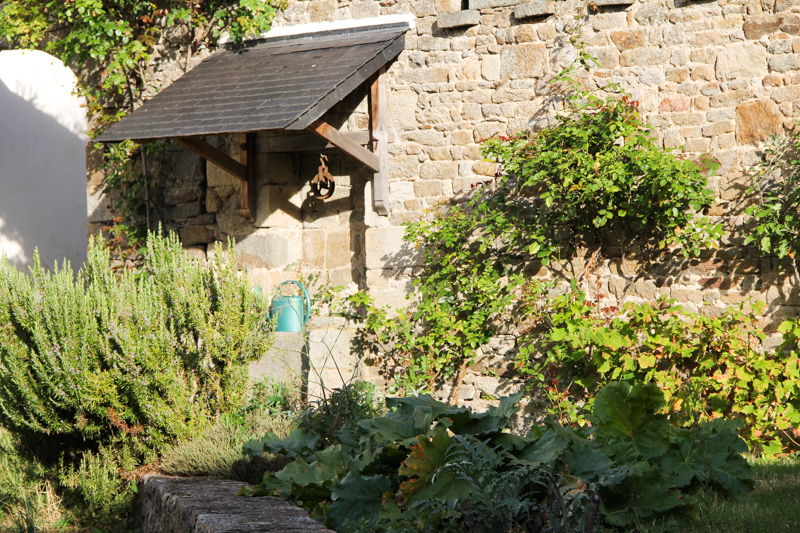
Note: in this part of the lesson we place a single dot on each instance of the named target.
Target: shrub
(425, 466)
(139, 359)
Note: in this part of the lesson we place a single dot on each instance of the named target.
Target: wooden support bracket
(243, 170)
(344, 143)
(380, 142)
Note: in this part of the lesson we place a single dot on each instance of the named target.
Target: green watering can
(288, 310)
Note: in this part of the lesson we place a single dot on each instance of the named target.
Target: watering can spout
(290, 312)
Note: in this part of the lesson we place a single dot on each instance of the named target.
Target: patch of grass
(218, 451)
(773, 506)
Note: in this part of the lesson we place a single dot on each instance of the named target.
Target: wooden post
(247, 156)
(380, 142)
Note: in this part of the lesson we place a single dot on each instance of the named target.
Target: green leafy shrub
(777, 189)
(425, 466)
(708, 367)
(140, 359)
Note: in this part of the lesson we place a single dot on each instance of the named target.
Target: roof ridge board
(305, 45)
(323, 34)
(302, 121)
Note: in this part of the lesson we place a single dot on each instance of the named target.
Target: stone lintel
(534, 9)
(488, 4)
(458, 19)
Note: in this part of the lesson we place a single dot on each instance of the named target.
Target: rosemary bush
(136, 360)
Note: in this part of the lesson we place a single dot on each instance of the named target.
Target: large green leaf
(624, 412)
(683, 464)
(357, 497)
(299, 442)
(426, 457)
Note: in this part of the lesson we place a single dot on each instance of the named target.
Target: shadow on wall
(42, 161)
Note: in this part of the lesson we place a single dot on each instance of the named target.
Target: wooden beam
(308, 142)
(209, 153)
(380, 143)
(343, 143)
(248, 186)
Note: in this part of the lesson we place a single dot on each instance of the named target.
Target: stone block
(314, 248)
(651, 14)
(784, 63)
(652, 76)
(233, 224)
(196, 235)
(270, 249)
(756, 29)
(386, 249)
(644, 57)
(534, 9)
(490, 67)
(279, 206)
(628, 39)
(428, 189)
(675, 103)
(439, 170)
(425, 75)
(404, 166)
(731, 98)
(403, 109)
(338, 251)
(703, 72)
(741, 61)
(756, 121)
(789, 93)
(283, 362)
(487, 130)
(322, 11)
(607, 56)
(458, 19)
(447, 6)
(364, 9)
(525, 60)
(718, 128)
(489, 4)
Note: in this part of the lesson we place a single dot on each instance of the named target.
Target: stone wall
(715, 77)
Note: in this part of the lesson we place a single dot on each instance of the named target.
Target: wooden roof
(279, 83)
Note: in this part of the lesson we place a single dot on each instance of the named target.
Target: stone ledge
(534, 9)
(188, 505)
(488, 4)
(458, 19)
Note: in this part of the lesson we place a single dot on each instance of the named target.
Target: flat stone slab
(209, 505)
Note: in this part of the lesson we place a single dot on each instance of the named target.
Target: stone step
(209, 505)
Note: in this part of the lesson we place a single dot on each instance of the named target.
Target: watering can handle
(305, 295)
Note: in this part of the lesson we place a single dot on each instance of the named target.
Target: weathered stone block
(784, 63)
(651, 15)
(337, 249)
(731, 98)
(426, 75)
(490, 67)
(364, 9)
(628, 39)
(439, 170)
(488, 4)
(675, 103)
(487, 130)
(607, 56)
(741, 61)
(644, 57)
(703, 72)
(718, 128)
(403, 109)
(756, 29)
(790, 93)
(314, 248)
(523, 61)
(196, 235)
(428, 189)
(279, 206)
(534, 9)
(405, 166)
(322, 11)
(446, 6)
(458, 19)
(270, 249)
(756, 121)
(386, 249)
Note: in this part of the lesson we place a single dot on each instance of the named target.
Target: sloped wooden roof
(277, 83)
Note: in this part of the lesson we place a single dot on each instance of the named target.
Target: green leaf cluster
(425, 466)
(137, 359)
(777, 208)
(709, 367)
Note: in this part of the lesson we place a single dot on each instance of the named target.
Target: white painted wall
(42, 160)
